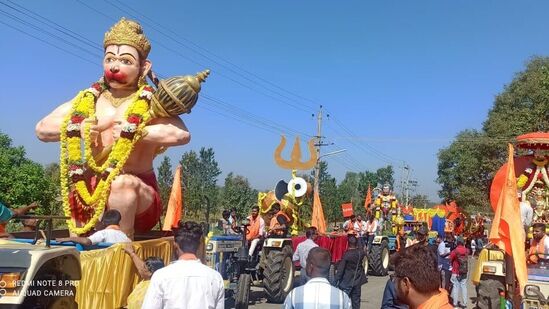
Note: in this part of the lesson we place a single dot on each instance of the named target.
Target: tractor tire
(332, 274)
(278, 275)
(488, 293)
(242, 295)
(378, 259)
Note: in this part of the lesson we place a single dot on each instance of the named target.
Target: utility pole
(407, 184)
(318, 145)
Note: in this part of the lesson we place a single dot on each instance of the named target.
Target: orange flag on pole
(507, 231)
(175, 205)
(368, 199)
(317, 219)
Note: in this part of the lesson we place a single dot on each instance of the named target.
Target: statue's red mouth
(115, 76)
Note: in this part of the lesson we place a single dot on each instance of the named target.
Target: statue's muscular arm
(166, 132)
(49, 128)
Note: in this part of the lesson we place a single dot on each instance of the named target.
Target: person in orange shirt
(279, 222)
(539, 245)
(256, 230)
(417, 279)
(349, 225)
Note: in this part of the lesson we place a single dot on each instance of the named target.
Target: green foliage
(354, 187)
(467, 166)
(200, 172)
(237, 193)
(165, 180)
(23, 181)
(386, 175)
(327, 186)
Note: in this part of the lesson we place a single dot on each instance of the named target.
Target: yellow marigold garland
(72, 165)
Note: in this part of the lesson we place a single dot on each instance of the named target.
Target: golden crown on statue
(128, 32)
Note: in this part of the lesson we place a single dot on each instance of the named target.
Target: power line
(46, 42)
(57, 27)
(28, 24)
(243, 114)
(240, 114)
(178, 53)
(247, 73)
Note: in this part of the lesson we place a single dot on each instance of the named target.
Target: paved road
(372, 294)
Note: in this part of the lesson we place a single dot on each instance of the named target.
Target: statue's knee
(124, 182)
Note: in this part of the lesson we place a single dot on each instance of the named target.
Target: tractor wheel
(488, 293)
(278, 275)
(243, 291)
(332, 274)
(378, 259)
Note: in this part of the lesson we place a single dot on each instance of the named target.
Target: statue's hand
(94, 129)
(117, 129)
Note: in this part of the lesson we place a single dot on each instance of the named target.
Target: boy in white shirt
(110, 234)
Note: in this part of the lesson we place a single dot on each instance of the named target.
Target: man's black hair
(255, 207)
(539, 225)
(310, 231)
(188, 237)
(111, 217)
(321, 259)
(225, 214)
(276, 206)
(419, 264)
(154, 263)
(352, 240)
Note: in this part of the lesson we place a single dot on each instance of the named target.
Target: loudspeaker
(281, 189)
(298, 186)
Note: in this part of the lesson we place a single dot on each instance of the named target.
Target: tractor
(34, 275)
(271, 263)
(383, 245)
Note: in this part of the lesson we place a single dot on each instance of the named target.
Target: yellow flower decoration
(73, 164)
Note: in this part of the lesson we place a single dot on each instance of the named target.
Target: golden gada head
(128, 32)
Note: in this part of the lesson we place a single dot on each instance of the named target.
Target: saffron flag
(368, 199)
(317, 219)
(175, 205)
(507, 231)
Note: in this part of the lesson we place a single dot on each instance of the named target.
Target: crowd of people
(426, 275)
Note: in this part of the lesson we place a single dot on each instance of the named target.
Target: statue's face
(122, 66)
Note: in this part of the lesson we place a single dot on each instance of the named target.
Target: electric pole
(407, 184)
(318, 145)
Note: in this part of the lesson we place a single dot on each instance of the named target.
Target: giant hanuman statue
(111, 132)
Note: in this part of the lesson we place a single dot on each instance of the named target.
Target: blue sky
(399, 78)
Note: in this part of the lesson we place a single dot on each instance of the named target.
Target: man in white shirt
(186, 283)
(317, 293)
(370, 230)
(302, 251)
(526, 214)
(110, 234)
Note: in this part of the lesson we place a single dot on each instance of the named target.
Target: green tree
(238, 193)
(386, 175)
(467, 166)
(23, 181)
(52, 174)
(327, 186)
(200, 182)
(165, 180)
(348, 190)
